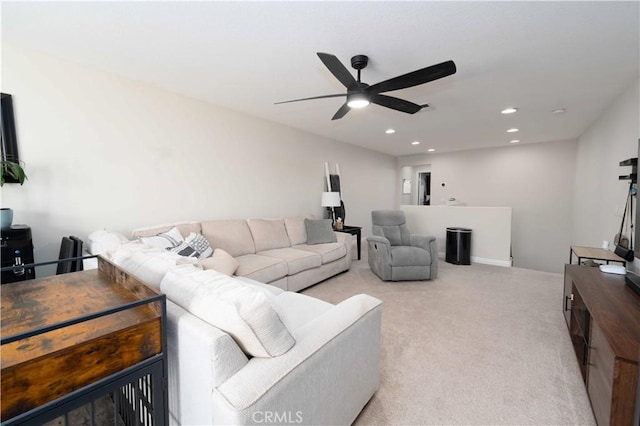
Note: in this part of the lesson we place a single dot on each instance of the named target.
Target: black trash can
(458, 249)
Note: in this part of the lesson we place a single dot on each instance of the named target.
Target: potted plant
(14, 170)
(16, 173)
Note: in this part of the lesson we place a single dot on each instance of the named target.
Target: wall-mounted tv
(633, 280)
(8, 133)
(636, 220)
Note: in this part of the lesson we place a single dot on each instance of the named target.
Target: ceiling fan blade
(396, 103)
(314, 97)
(344, 109)
(414, 78)
(338, 70)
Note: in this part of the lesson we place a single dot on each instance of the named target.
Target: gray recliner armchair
(395, 254)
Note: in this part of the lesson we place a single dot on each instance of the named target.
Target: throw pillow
(199, 244)
(184, 249)
(165, 240)
(319, 231)
(147, 263)
(244, 313)
(222, 262)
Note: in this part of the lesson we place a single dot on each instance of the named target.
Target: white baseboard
(495, 262)
(485, 261)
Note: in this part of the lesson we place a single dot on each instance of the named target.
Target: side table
(595, 253)
(104, 323)
(354, 230)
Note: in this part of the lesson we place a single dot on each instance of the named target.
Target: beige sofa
(271, 251)
(322, 373)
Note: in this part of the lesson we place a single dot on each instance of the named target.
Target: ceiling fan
(360, 94)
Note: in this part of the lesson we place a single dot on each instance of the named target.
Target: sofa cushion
(328, 251)
(149, 264)
(319, 231)
(165, 240)
(105, 242)
(242, 311)
(185, 229)
(296, 260)
(262, 286)
(297, 309)
(233, 236)
(296, 229)
(261, 268)
(221, 261)
(409, 256)
(268, 234)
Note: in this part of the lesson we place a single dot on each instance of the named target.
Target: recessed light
(415, 143)
(509, 110)
(389, 131)
(431, 149)
(515, 141)
(513, 130)
(559, 111)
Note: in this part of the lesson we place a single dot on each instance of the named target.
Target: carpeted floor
(478, 345)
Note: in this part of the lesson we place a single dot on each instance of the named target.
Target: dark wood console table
(354, 230)
(70, 340)
(603, 316)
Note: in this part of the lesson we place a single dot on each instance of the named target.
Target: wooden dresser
(66, 335)
(603, 316)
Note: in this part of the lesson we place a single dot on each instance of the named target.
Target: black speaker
(17, 249)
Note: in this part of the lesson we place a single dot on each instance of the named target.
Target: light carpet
(479, 345)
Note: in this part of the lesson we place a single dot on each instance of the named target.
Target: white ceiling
(537, 56)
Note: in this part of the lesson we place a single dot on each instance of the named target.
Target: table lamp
(331, 200)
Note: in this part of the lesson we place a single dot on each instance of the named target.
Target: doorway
(424, 189)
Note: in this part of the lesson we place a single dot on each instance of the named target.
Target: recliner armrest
(381, 240)
(430, 244)
(422, 241)
(386, 245)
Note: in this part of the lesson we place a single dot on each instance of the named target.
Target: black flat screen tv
(8, 133)
(636, 219)
(633, 280)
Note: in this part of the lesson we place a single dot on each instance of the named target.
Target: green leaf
(14, 170)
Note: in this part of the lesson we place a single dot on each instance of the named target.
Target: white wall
(599, 195)
(491, 229)
(535, 180)
(102, 151)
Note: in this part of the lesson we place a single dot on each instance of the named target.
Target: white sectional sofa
(271, 251)
(243, 352)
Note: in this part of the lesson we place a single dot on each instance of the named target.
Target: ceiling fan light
(358, 100)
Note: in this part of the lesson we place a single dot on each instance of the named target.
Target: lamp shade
(330, 199)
